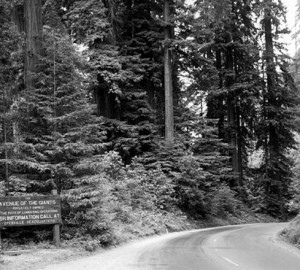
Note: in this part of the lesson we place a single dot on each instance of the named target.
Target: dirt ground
(67, 259)
(34, 259)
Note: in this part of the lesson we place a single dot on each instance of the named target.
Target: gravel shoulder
(77, 259)
(126, 255)
(34, 259)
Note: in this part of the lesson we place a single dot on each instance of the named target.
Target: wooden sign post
(1, 245)
(56, 229)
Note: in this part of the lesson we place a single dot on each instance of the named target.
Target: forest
(148, 116)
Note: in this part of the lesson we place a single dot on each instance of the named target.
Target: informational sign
(25, 211)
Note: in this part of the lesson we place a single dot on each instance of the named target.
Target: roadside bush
(223, 201)
(191, 186)
(292, 233)
(111, 202)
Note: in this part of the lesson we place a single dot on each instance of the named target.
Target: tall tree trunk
(6, 158)
(231, 112)
(232, 115)
(17, 15)
(269, 51)
(169, 115)
(271, 100)
(111, 13)
(220, 99)
(34, 32)
(4, 131)
(270, 73)
(239, 146)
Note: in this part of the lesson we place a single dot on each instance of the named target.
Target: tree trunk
(17, 15)
(269, 51)
(4, 127)
(272, 147)
(169, 117)
(220, 99)
(270, 72)
(231, 112)
(239, 145)
(34, 32)
(231, 103)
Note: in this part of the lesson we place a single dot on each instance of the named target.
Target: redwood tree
(278, 111)
(169, 117)
(34, 32)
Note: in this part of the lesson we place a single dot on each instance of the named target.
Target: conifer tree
(168, 85)
(10, 69)
(278, 108)
(230, 54)
(33, 29)
(296, 37)
(59, 116)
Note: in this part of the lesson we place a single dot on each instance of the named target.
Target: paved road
(242, 247)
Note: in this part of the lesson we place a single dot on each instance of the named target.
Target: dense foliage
(89, 119)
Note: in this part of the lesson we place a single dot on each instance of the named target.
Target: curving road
(242, 247)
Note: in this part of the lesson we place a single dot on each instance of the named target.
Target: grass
(291, 234)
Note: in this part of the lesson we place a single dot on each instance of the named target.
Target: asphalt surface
(242, 247)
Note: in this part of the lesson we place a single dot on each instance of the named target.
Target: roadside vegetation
(291, 233)
(128, 202)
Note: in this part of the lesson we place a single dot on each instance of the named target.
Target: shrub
(223, 201)
(292, 232)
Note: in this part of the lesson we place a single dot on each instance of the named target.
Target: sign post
(56, 229)
(1, 246)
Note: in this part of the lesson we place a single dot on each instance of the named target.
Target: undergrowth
(291, 234)
(110, 203)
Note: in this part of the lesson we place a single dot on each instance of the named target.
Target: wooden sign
(28, 211)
